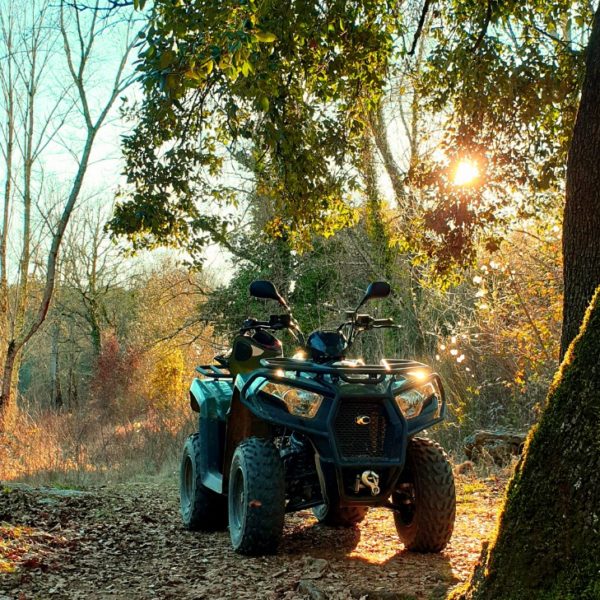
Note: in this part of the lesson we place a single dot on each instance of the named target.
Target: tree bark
(8, 91)
(56, 400)
(549, 535)
(379, 130)
(581, 247)
(10, 359)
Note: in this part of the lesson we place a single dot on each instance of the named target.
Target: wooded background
(362, 191)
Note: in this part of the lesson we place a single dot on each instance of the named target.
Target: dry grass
(91, 447)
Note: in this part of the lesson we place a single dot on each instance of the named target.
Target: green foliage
(281, 88)
(268, 103)
(505, 79)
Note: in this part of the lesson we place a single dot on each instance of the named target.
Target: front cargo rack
(348, 372)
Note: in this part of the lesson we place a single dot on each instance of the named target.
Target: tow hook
(368, 479)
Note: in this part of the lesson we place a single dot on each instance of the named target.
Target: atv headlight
(411, 402)
(299, 402)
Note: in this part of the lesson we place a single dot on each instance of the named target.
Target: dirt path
(127, 542)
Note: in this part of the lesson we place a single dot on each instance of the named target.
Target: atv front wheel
(426, 498)
(256, 497)
(339, 516)
(201, 508)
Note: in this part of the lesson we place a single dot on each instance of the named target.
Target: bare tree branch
(484, 27)
(420, 25)
(36, 58)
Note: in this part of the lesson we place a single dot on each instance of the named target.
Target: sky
(59, 160)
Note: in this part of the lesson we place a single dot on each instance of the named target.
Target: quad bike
(278, 435)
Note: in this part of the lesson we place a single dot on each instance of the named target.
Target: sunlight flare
(466, 172)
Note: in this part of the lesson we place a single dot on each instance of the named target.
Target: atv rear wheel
(427, 498)
(201, 509)
(340, 516)
(256, 497)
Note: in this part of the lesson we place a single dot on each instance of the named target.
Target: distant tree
(92, 273)
(35, 33)
(277, 91)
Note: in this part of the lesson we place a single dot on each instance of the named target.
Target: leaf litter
(127, 541)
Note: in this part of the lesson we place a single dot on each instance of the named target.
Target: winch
(368, 479)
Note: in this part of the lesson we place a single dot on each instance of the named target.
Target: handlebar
(383, 322)
(357, 324)
(275, 323)
(363, 322)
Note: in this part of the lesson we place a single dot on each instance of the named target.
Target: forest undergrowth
(87, 448)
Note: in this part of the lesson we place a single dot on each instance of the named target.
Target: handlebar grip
(383, 322)
(253, 324)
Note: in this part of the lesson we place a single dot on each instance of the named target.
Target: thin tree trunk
(27, 172)
(95, 332)
(92, 303)
(10, 360)
(581, 248)
(55, 389)
(379, 130)
(9, 99)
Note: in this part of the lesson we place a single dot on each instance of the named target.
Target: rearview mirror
(265, 289)
(377, 289)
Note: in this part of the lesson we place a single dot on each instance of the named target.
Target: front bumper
(358, 427)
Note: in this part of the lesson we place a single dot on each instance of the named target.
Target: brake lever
(344, 325)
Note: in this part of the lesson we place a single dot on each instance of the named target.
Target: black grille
(360, 429)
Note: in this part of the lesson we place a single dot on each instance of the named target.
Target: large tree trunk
(549, 531)
(581, 246)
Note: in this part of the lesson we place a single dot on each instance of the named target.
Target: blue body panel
(213, 397)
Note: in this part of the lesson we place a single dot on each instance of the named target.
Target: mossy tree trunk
(549, 532)
(581, 250)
